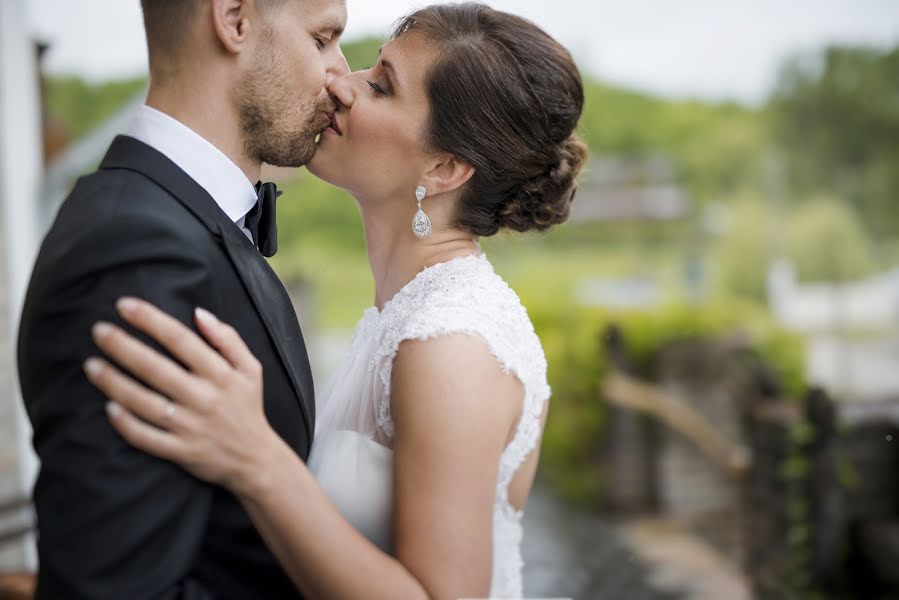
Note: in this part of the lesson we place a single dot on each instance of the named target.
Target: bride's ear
(447, 174)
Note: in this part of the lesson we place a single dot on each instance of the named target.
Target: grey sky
(712, 49)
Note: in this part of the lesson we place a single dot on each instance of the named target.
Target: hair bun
(545, 200)
(505, 98)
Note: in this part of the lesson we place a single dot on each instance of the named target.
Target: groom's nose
(337, 66)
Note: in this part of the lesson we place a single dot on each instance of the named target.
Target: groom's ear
(447, 174)
(230, 20)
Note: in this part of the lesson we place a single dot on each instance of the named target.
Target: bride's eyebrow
(387, 65)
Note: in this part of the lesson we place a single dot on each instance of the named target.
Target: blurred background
(720, 316)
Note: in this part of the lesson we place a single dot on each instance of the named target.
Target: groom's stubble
(278, 126)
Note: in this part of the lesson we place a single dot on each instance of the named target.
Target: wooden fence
(803, 492)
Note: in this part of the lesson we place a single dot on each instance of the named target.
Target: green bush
(744, 252)
(824, 239)
(81, 106)
(571, 338)
(827, 242)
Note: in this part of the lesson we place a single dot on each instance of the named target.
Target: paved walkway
(571, 554)
(679, 560)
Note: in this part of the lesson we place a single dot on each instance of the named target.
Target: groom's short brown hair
(165, 22)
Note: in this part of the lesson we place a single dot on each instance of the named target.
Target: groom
(172, 216)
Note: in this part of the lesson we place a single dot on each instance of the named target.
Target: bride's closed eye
(376, 88)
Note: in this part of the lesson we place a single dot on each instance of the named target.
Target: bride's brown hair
(505, 98)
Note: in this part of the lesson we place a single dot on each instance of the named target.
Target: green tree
(837, 118)
(362, 54)
(82, 106)
(744, 252)
(828, 243)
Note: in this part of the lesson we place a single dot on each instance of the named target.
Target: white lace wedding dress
(352, 456)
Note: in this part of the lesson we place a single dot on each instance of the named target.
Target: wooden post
(768, 424)
(629, 453)
(827, 514)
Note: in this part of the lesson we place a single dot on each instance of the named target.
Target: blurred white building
(867, 304)
(851, 328)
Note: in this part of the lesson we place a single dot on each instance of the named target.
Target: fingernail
(114, 409)
(93, 366)
(126, 305)
(101, 329)
(205, 317)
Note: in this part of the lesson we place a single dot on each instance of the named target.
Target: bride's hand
(210, 418)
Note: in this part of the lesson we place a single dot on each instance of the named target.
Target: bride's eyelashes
(375, 88)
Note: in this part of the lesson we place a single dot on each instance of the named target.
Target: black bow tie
(261, 219)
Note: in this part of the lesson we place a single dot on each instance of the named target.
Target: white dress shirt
(202, 161)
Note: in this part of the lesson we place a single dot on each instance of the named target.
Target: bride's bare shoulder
(450, 376)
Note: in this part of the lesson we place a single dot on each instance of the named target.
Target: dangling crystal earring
(421, 224)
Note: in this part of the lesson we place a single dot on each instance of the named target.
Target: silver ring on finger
(169, 413)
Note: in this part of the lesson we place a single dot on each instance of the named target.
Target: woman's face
(375, 148)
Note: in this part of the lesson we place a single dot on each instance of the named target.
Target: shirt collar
(203, 162)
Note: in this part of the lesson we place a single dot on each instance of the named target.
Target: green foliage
(81, 106)
(716, 148)
(362, 54)
(837, 118)
(571, 337)
(827, 242)
(571, 341)
(743, 253)
(313, 212)
(823, 237)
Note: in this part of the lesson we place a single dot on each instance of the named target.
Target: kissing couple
(161, 360)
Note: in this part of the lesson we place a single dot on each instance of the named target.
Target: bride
(429, 439)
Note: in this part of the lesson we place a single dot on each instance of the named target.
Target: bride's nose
(343, 90)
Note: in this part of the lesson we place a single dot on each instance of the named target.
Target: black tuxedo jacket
(113, 521)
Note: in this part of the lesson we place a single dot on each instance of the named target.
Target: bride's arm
(453, 409)
(323, 554)
(446, 456)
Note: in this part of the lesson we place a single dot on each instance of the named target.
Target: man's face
(282, 96)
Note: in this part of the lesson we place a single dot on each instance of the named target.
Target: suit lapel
(276, 310)
(133, 155)
(270, 299)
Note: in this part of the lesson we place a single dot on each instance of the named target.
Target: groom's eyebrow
(334, 25)
(335, 28)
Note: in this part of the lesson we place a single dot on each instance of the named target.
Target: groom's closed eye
(322, 40)
(329, 30)
(327, 33)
